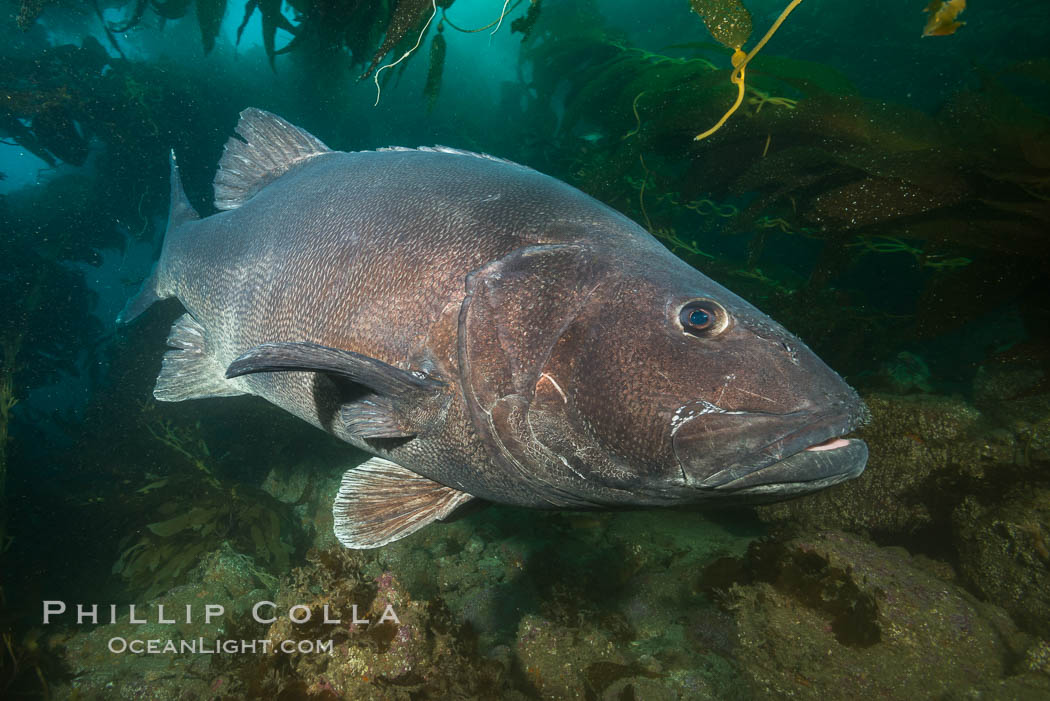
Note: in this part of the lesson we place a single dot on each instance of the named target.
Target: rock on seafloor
(101, 669)
(1004, 554)
(925, 451)
(833, 616)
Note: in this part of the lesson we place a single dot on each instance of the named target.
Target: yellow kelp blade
(728, 21)
(942, 20)
(740, 60)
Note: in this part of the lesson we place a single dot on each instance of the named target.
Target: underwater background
(882, 190)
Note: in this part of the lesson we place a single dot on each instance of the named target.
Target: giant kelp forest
(875, 176)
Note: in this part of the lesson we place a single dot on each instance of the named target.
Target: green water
(881, 193)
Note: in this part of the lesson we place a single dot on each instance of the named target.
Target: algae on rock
(925, 450)
(833, 616)
(1004, 554)
(199, 510)
(223, 577)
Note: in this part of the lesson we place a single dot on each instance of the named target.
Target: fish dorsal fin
(451, 151)
(380, 502)
(270, 147)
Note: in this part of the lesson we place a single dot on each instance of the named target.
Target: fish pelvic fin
(268, 148)
(380, 502)
(180, 212)
(191, 371)
(375, 416)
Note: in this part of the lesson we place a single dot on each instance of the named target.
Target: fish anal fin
(191, 371)
(270, 148)
(380, 502)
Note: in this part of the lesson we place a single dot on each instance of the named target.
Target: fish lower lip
(829, 444)
(806, 466)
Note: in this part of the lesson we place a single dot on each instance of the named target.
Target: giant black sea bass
(487, 333)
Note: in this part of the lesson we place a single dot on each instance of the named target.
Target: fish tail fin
(142, 300)
(181, 212)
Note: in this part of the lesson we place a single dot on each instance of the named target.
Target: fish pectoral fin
(378, 376)
(389, 411)
(380, 502)
(191, 371)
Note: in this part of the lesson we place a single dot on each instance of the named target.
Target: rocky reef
(965, 482)
(833, 616)
(926, 452)
(503, 604)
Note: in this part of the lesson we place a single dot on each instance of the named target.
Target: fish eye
(703, 318)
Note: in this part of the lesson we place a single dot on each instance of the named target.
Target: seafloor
(516, 604)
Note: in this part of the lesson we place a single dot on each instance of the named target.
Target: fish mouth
(810, 451)
(821, 465)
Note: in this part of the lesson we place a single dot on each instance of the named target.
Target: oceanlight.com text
(158, 646)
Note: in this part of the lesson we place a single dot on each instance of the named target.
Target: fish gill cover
(880, 189)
